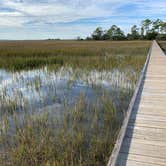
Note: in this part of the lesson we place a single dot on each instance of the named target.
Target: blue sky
(41, 19)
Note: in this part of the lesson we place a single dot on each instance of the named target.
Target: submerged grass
(84, 135)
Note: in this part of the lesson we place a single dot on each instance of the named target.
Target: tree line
(148, 30)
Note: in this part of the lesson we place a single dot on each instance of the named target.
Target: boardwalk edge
(114, 156)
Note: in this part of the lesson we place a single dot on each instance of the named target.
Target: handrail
(121, 135)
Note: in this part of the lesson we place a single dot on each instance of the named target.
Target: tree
(111, 32)
(134, 32)
(157, 25)
(142, 33)
(97, 34)
(88, 38)
(146, 25)
(79, 38)
(163, 27)
(149, 30)
(105, 35)
(161, 37)
(115, 33)
(151, 35)
(119, 35)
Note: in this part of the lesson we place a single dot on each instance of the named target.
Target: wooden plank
(146, 133)
(151, 105)
(154, 99)
(143, 149)
(148, 123)
(152, 118)
(142, 159)
(150, 112)
(162, 95)
(145, 141)
(154, 90)
(122, 162)
(154, 84)
(156, 104)
(153, 78)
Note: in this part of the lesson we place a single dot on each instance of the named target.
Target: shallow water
(43, 88)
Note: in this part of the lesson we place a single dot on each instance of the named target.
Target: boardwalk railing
(117, 146)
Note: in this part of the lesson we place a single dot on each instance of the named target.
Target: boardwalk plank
(142, 159)
(148, 117)
(133, 163)
(147, 133)
(148, 123)
(142, 149)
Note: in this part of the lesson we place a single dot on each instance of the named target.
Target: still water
(37, 89)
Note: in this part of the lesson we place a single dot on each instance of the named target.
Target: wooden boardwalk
(142, 139)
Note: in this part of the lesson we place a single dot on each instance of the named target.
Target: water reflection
(36, 89)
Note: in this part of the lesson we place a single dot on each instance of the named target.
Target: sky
(67, 19)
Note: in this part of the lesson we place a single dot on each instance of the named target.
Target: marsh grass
(93, 55)
(84, 135)
(80, 134)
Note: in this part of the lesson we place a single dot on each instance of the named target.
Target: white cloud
(52, 11)
(25, 13)
(10, 14)
(71, 10)
(11, 21)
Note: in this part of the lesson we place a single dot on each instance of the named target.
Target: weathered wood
(142, 139)
(134, 163)
(155, 118)
(140, 158)
(147, 134)
(146, 141)
(143, 149)
(148, 123)
(149, 110)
